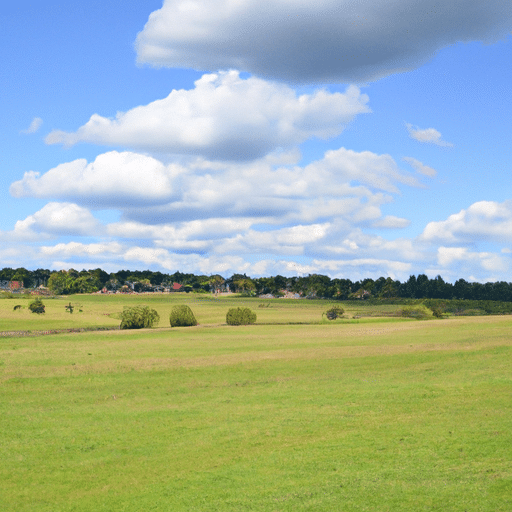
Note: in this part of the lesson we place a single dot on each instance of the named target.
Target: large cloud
(112, 179)
(347, 184)
(343, 184)
(226, 246)
(57, 219)
(484, 220)
(455, 262)
(314, 40)
(224, 117)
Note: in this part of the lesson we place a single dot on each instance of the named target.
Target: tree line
(314, 285)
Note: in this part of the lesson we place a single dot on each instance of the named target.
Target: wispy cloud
(34, 126)
(420, 167)
(429, 135)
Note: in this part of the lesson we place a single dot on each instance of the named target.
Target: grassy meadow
(294, 413)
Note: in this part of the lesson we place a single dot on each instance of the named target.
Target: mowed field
(292, 413)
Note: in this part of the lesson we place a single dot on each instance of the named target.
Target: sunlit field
(292, 413)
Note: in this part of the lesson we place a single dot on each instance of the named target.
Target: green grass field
(292, 413)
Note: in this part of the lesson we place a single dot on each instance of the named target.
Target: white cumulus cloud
(59, 219)
(461, 261)
(113, 178)
(484, 220)
(224, 117)
(344, 183)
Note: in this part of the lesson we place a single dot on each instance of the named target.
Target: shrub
(138, 317)
(437, 311)
(420, 312)
(240, 316)
(182, 316)
(36, 306)
(334, 312)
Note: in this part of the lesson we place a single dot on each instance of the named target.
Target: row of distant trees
(313, 285)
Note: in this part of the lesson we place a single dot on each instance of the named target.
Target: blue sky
(353, 139)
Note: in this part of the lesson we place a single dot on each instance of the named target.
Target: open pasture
(380, 415)
(103, 310)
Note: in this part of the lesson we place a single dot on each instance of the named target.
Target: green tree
(215, 282)
(85, 283)
(389, 288)
(439, 289)
(23, 276)
(60, 283)
(244, 285)
(100, 275)
(342, 288)
(40, 276)
(113, 284)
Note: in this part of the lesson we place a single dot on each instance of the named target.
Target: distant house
(176, 287)
(40, 290)
(15, 285)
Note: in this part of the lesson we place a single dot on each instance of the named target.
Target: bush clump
(437, 311)
(334, 312)
(240, 316)
(182, 316)
(420, 312)
(138, 317)
(37, 306)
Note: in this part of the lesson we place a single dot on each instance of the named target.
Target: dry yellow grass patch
(167, 349)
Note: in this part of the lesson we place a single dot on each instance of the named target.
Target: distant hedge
(182, 316)
(240, 316)
(470, 307)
